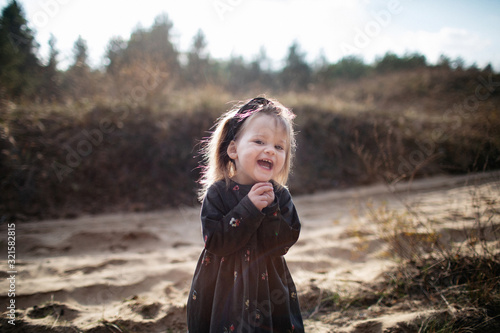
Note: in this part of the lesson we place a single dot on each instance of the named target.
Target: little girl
(241, 282)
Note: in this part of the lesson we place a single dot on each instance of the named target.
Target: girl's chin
(259, 180)
(250, 180)
(263, 179)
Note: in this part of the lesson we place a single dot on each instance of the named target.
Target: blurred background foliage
(125, 136)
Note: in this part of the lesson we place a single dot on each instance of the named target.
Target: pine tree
(197, 61)
(19, 65)
(296, 74)
(146, 64)
(115, 53)
(51, 80)
(78, 80)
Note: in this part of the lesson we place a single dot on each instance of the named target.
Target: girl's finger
(261, 184)
(263, 187)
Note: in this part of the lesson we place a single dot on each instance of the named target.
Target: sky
(329, 29)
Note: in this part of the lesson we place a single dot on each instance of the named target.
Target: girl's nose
(270, 150)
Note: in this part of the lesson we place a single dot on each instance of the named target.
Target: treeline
(149, 63)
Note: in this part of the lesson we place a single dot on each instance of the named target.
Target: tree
(52, 53)
(391, 62)
(296, 74)
(197, 68)
(488, 68)
(51, 78)
(260, 74)
(145, 65)
(263, 60)
(238, 74)
(161, 45)
(115, 53)
(350, 67)
(458, 63)
(80, 53)
(20, 68)
(444, 61)
(154, 45)
(78, 80)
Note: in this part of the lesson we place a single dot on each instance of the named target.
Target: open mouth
(266, 164)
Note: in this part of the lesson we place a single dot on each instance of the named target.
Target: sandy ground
(131, 272)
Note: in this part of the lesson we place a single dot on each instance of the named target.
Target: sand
(131, 272)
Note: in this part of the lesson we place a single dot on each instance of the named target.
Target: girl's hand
(261, 195)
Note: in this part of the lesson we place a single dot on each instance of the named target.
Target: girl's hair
(217, 165)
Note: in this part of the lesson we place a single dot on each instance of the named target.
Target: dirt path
(131, 272)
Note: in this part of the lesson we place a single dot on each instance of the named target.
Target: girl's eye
(259, 142)
(279, 147)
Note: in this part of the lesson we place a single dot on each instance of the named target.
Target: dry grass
(458, 278)
(380, 128)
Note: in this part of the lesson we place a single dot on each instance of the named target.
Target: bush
(62, 163)
(110, 159)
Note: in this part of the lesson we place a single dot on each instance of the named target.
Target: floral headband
(247, 110)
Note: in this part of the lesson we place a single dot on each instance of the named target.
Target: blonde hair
(217, 165)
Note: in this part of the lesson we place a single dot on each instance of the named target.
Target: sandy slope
(131, 272)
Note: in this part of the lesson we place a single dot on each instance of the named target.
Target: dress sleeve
(227, 230)
(281, 227)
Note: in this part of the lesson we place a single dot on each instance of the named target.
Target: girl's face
(260, 150)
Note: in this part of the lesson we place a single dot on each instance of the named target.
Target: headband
(247, 110)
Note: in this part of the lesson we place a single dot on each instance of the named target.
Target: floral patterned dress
(241, 282)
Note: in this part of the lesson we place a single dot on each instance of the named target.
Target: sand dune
(131, 272)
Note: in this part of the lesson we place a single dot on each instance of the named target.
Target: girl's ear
(231, 150)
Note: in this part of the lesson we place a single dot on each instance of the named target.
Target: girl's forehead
(262, 123)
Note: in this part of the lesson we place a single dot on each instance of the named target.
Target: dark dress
(242, 282)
